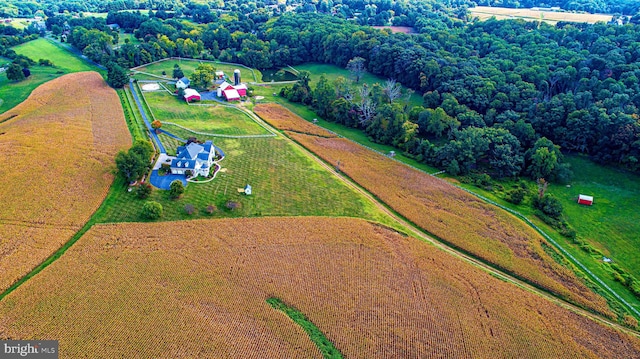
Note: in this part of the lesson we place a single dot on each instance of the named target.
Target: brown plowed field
(58, 150)
(198, 288)
(456, 217)
(283, 119)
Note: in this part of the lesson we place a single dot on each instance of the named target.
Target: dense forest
(503, 97)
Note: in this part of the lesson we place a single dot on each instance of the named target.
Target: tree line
(508, 83)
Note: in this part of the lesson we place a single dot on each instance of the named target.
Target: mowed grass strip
(12, 93)
(283, 119)
(456, 217)
(58, 149)
(214, 119)
(178, 288)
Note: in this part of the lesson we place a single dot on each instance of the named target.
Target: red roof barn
(191, 95)
(586, 200)
(231, 95)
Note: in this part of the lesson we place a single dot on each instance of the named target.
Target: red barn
(231, 95)
(242, 89)
(191, 95)
(586, 200)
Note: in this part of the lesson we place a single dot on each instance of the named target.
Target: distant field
(283, 119)
(179, 288)
(188, 65)
(12, 93)
(332, 72)
(215, 119)
(57, 154)
(612, 224)
(455, 216)
(397, 29)
(501, 13)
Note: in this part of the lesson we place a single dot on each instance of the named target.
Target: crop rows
(57, 157)
(283, 119)
(199, 289)
(456, 217)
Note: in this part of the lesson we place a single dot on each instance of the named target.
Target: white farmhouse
(183, 83)
(198, 158)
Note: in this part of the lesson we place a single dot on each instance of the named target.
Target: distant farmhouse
(183, 83)
(197, 158)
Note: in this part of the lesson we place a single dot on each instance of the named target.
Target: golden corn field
(455, 216)
(197, 289)
(57, 148)
(283, 119)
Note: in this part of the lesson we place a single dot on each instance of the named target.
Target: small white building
(183, 83)
(247, 190)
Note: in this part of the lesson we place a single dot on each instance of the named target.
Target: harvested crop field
(503, 13)
(199, 289)
(283, 119)
(456, 217)
(57, 148)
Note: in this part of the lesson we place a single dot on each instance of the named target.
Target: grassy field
(284, 180)
(178, 288)
(58, 149)
(188, 65)
(214, 119)
(552, 17)
(12, 93)
(332, 72)
(612, 224)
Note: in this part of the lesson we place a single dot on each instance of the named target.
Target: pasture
(211, 119)
(455, 217)
(612, 224)
(285, 181)
(12, 93)
(189, 65)
(178, 288)
(552, 17)
(58, 148)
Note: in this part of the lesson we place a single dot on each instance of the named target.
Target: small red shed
(231, 95)
(586, 200)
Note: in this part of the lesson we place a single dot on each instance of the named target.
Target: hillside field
(455, 216)
(12, 93)
(283, 119)
(58, 149)
(199, 288)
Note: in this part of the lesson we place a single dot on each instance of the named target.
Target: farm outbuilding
(247, 190)
(191, 95)
(586, 200)
(231, 95)
(183, 83)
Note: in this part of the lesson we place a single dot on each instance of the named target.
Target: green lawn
(188, 65)
(214, 119)
(332, 72)
(61, 58)
(285, 183)
(123, 35)
(12, 93)
(612, 224)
